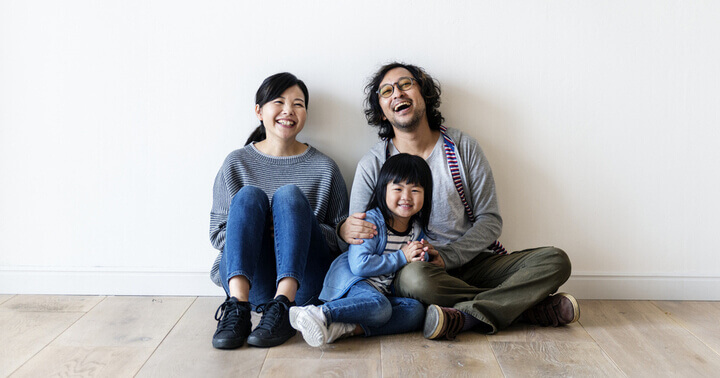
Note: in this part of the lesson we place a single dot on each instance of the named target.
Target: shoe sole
(312, 331)
(268, 343)
(227, 343)
(576, 307)
(434, 320)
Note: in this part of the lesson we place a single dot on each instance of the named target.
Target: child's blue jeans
(376, 313)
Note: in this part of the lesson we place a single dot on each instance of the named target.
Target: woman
(276, 203)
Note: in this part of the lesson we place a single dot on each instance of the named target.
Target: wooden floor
(170, 336)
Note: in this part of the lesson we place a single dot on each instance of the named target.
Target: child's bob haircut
(410, 169)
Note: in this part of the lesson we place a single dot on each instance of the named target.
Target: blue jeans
(298, 248)
(376, 313)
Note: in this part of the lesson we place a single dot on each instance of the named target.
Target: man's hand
(435, 257)
(355, 229)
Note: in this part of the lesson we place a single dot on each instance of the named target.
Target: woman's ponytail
(257, 135)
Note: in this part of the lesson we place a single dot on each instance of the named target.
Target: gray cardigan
(480, 193)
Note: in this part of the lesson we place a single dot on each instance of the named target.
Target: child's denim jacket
(364, 260)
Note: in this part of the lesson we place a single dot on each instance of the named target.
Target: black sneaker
(234, 324)
(274, 328)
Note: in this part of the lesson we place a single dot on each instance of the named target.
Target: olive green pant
(496, 289)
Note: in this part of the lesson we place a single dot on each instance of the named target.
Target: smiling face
(404, 200)
(284, 117)
(405, 110)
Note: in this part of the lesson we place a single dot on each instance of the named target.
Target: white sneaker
(311, 322)
(339, 330)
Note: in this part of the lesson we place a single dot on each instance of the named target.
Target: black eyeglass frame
(395, 84)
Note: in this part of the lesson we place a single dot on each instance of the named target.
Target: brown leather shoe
(442, 322)
(555, 310)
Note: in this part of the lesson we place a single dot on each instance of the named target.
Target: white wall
(600, 120)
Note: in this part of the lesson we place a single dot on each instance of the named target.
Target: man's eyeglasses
(403, 84)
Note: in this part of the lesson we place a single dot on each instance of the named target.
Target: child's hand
(413, 251)
(433, 255)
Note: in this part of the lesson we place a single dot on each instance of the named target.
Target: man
(470, 281)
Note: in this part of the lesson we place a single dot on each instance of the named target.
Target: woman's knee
(250, 196)
(289, 196)
(289, 191)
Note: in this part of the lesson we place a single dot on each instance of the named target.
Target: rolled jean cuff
(326, 312)
(294, 275)
(240, 273)
(366, 331)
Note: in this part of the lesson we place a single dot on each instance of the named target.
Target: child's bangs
(408, 177)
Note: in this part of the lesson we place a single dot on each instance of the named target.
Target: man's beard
(411, 124)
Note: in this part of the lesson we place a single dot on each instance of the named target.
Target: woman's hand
(414, 251)
(355, 229)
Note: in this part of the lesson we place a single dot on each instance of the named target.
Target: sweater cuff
(341, 243)
(448, 256)
(402, 257)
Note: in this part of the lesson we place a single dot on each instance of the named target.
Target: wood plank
(553, 359)
(115, 338)
(30, 322)
(527, 350)
(52, 303)
(188, 351)
(643, 341)
(5, 297)
(293, 367)
(126, 321)
(520, 332)
(73, 361)
(700, 318)
(411, 355)
(28, 334)
(358, 347)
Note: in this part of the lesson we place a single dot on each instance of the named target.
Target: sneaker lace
(272, 313)
(228, 315)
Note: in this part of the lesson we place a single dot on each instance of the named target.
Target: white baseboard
(107, 281)
(643, 287)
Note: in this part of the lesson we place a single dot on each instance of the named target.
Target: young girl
(358, 287)
(276, 203)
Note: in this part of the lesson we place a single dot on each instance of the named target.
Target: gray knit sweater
(317, 176)
(457, 242)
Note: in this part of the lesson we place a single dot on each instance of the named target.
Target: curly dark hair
(429, 88)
